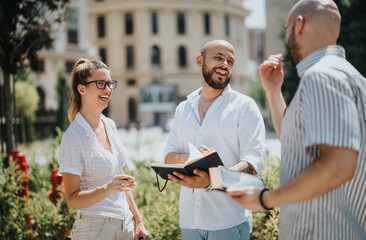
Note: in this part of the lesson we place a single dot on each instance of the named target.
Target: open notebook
(196, 160)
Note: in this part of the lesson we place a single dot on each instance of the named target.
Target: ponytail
(82, 71)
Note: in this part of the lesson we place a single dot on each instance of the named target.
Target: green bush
(13, 208)
(266, 224)
(159, 210)
(49, 221)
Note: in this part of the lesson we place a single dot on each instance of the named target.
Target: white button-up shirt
(234, 127)
(82, 155)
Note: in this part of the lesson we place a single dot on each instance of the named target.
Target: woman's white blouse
(82, 155)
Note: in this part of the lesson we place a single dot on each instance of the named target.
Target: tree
(63, 103)
(353, 32)
(25, 28)
(26, 99)
(352, 38)
(291, 79)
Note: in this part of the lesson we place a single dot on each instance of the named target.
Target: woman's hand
(120, 183)
(140, 230)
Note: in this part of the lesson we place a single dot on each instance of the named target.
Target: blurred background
(150, 47)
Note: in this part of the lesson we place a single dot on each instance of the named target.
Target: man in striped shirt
(322, 131)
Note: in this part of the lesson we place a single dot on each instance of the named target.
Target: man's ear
(81, 89)
(300, 24)
(199, 60)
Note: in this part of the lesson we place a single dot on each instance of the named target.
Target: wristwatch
(208, 189)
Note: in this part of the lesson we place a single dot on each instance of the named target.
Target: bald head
(213, 44)
(322, 15)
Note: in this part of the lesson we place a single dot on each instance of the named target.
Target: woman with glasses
(91, 158)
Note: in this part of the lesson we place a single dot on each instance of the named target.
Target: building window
(42, 99)
(131, 82)
(101, 26)
(69, 66)
(227, 25)
(182, 57)
(207, 26)
(130, 57)
(37, 66)
(155, 56)
(181, 23)
(132, 110)
(72, 27)
(103, 55)
(129, 23)
(154, 22)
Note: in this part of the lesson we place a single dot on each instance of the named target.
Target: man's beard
(207, 74)
(293, 48)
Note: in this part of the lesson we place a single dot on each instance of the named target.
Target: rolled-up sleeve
(252, 136)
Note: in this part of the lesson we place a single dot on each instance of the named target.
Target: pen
(130, 180)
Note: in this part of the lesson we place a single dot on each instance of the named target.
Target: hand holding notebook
(223, 178)
(196, 160)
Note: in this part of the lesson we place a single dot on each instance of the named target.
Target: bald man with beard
(322, 193)
(215, 116)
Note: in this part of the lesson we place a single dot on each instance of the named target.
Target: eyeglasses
(101, 84)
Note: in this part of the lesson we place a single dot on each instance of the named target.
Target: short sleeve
(252, 136)
(70, 156)
(330, 112)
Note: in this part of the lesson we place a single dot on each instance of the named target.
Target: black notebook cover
(204, 163)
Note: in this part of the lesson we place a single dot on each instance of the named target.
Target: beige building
(257, 44)
(143, 42)
(277, 12)
(157, 41)
(71, 43)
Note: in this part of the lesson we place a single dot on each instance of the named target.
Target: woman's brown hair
(82, 71)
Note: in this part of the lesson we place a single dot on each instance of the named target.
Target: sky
(257, 16)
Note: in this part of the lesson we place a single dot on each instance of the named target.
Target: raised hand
(271, 74)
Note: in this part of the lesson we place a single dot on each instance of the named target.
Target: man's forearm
(244, 166)
(277, 106)
(329, 171)
(174, 158)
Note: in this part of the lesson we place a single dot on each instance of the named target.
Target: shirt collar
(85, 125)
(191, 97)
(314, 57)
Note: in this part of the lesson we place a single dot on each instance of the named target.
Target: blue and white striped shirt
(328, 108)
